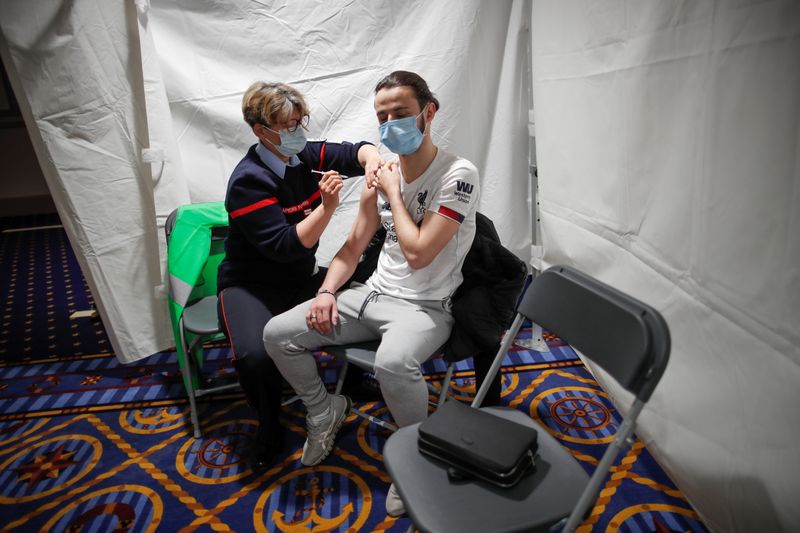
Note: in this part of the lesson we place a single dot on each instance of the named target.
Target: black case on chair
(478, 444)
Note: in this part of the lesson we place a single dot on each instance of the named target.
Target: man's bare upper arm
(366, 223)
(434, 234)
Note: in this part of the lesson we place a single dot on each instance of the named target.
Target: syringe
(321, 172)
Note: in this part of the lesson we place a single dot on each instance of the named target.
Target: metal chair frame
(198, 320)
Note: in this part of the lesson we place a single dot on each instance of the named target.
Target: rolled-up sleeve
(341, 157)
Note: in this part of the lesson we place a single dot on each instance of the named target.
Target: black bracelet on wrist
(325, 291)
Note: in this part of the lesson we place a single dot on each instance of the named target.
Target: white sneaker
(394, 505)
(320, 435)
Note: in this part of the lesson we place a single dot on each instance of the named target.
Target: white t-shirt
(450, 188)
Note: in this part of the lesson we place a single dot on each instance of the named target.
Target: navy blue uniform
(267, 270)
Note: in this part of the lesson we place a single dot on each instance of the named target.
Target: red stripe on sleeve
(253, 207)
(322, 156)
(449, 213)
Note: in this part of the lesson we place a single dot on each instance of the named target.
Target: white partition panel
(668, 144)
(76, 69)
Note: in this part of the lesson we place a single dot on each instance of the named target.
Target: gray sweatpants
(410, 331)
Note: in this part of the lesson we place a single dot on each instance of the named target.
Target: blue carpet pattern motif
(87, 444)
(41, 285)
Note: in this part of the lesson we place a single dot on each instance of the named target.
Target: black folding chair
(624, 336)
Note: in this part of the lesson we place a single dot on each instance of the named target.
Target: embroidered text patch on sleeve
(302, 206)
(449, 213)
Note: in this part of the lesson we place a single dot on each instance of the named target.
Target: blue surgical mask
(292, 143)
(401, 136)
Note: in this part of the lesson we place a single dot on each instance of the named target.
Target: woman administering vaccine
(280, 198)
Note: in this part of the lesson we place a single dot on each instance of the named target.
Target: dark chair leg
(483, 362)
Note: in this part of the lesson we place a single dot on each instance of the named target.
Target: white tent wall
(668, 145)
(76, 70)
(135, 109)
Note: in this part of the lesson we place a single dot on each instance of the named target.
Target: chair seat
(200, 317)
(537, 502)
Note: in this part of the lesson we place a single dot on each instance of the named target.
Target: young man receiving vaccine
(426, 201)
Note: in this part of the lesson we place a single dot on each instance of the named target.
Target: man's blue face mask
(401, 136)
(292, 142)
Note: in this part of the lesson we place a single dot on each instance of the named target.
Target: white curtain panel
(668, 144)
(135, 108)
(76, 70)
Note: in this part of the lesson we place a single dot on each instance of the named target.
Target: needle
(320, 172)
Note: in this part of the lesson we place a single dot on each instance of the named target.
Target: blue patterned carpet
(87, 444)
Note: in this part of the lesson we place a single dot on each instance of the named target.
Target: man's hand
(323, 314)
(388, 179)
(329, 187)
(371, 169)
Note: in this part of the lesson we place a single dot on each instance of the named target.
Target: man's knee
(272, 338)
(278, 336)
(390, 363)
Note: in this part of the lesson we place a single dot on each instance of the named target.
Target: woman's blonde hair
(272, 103)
